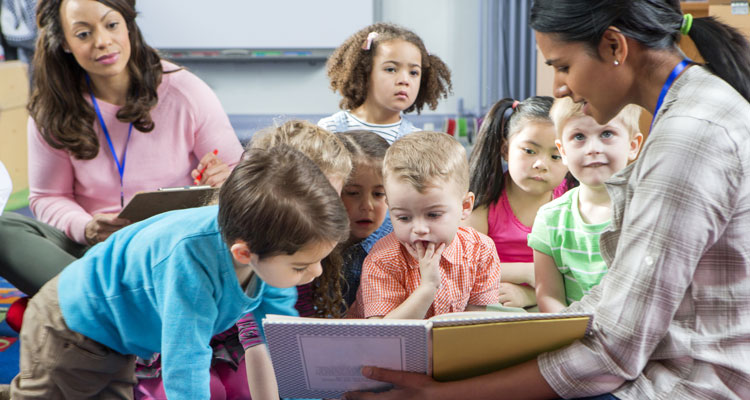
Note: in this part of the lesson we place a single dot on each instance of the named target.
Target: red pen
(200, 174)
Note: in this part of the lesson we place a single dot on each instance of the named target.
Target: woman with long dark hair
(108, 118)
(671, 317)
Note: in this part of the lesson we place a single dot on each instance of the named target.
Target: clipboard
(147, 204)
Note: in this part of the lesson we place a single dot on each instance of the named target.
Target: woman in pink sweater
(108, 118)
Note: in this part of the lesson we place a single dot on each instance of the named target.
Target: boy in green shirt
(565, 235)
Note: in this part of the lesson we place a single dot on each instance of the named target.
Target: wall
(449, 29)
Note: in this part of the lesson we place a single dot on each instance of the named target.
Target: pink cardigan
(189, 122)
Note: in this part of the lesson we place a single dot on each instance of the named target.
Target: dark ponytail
(653, 23)
(726, 51)
(502, 121)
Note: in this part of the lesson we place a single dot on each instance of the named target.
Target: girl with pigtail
(382, 71)
(523, 135)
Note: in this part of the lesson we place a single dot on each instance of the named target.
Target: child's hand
(513, 295)
(429, 262)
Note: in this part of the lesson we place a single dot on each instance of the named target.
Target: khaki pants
(57, 363)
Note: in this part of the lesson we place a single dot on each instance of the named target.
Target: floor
(9, 344)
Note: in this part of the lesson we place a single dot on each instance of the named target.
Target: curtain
(507, 52)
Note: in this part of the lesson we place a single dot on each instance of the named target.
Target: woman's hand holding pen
(210, 170)
(103, 225)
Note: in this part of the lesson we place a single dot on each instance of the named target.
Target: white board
(251, 24)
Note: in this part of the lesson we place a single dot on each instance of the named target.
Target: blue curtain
(507, 52)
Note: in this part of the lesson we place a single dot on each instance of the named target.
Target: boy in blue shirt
(169, 283)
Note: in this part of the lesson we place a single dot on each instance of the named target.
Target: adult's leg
(32, 252)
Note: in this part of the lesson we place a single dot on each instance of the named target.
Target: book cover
(322, 358)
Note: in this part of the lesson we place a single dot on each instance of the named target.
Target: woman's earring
(617, 62)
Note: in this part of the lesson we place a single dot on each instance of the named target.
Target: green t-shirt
(559, 231)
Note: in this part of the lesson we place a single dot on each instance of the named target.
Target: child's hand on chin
(429, 261)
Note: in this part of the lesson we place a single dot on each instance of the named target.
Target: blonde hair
(565, 108)
(320, 145)
(421, 158)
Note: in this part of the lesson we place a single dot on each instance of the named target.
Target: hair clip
(515, 104)
(368, 42)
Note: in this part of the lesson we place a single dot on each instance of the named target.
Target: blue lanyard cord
(676, 71)
(120, 166)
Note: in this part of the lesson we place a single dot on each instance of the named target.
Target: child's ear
(635, 146)
(561, 149)
(467, 206)
(504, 150)
(241, 252)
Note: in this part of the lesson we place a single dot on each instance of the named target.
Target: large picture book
(322, 358)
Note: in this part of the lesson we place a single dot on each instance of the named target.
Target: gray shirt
(672, 317)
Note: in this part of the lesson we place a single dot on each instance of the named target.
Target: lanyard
(670, 79)
(120, 166)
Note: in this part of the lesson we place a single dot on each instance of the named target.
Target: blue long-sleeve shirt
(166, 284)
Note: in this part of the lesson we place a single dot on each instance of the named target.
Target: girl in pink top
(108, 119)
(523, 135)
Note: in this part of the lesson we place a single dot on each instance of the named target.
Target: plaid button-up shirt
(469, 274)
(672, 316)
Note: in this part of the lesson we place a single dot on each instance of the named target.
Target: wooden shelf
(697, 8)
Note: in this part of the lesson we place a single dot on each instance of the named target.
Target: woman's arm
(51, 195)
(523, 381)
(550, 289)
(213, 131)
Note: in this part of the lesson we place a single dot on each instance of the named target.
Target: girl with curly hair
(382, 71)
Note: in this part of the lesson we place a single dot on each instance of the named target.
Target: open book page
(322, 358)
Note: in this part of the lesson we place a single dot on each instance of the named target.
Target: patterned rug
(8, 338)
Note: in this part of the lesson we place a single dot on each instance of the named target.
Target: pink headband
(515, 104)
(368, 42)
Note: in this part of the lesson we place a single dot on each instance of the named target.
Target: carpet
(9, 345)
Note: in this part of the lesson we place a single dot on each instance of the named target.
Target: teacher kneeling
(671, 317)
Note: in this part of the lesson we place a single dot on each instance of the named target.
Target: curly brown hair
(57, 105)
(350, 65)
(328, 298)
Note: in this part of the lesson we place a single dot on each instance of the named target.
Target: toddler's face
(430, 217)
(595, 152)
(534, 162)
(396, 76)
(289, 270)
(364, 199)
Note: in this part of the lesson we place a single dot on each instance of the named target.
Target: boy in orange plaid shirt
(430, 264)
